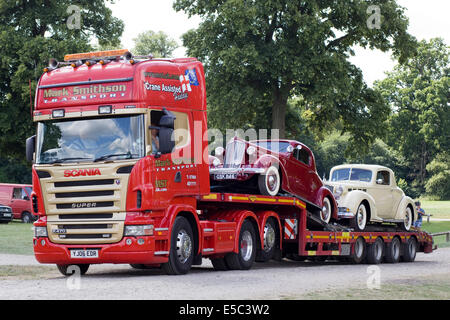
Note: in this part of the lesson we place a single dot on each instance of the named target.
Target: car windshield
(352, 174)
(276, 146)
(90, 139)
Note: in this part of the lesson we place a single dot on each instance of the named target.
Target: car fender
(353, 199)
(325, 192)
(402, 208)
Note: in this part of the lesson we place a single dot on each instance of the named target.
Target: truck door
(176, 173)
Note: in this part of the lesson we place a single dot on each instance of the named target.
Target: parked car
(18, 197)
(272, 167)
(368, 194)
(6, 214)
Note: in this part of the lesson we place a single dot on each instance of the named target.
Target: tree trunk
(279, 113)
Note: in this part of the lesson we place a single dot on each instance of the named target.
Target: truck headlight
(40, 232)
(142, 230)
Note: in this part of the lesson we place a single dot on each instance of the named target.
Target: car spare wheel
(269, 183)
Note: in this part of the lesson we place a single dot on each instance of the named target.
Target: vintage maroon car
(272, 167)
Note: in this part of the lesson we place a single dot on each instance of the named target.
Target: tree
(258, 54)
(32, 32)
(417, 91)
(438, 185)
(156, 43)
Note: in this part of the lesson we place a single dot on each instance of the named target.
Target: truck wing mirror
(30, 148)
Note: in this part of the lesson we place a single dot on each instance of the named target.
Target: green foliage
(438, 185)
(419, 127)
(156, 43)
(32, 32)
(258, 54)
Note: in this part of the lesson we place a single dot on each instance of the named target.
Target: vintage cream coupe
(368, 194)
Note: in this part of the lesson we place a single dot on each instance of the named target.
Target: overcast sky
(427, 19)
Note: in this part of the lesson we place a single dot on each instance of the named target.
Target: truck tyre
(181, 254)
(69, 269)
(393, 250)
(359, 251)
(219, 264)
(243, 260)
(270, 242)
(269, 183)
(375, 252)
(410, 250)
(359, 222)
(407, 220)
(27, 217)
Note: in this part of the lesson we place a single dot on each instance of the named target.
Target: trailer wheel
(247, 249)
(393, 250)
(181, 254)
(410, 250)
(69, 269)
(269, 183)
(270, 241)
(375, 252)
(359, 251)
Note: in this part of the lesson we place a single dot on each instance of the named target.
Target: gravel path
(273, 280)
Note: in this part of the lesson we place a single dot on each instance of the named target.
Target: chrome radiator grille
(234, 154)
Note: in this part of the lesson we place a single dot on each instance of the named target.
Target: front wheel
(181, 254)
(407, 220)
(359, 222)
(27, 218)
(69, 269)
(269, 183)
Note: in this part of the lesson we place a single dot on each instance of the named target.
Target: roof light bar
(97, 54)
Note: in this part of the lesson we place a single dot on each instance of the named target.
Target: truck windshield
(76, 140)
(352, 174)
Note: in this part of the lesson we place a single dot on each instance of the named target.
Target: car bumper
(236, 171)
(128, 251)
(345, 213)
(6, 216)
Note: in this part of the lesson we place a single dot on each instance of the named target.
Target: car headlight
(142, 230)
(40, 232)
(216, 162)
(339, 191)
(251, 150)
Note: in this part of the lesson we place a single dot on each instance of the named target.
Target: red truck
(18, 198)
(121, 175)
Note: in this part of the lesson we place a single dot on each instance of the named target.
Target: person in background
(420, 214)
(155, 138)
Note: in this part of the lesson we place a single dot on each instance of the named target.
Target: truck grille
(234, 154)
(86, 210)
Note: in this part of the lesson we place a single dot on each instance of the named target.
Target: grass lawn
(439, 209)
(437, 226)
(16, 238)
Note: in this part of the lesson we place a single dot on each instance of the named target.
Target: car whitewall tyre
(269, 183)
(359, 222)
(325, 213)
(407, 219)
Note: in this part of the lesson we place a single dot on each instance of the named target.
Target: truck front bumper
(128, 251)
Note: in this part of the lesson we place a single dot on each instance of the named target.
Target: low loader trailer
(121, 175)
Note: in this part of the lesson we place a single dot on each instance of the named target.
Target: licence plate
(7, 214)
(83, 254)
(228, 176)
